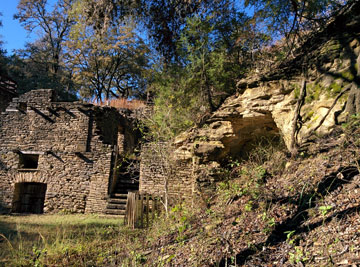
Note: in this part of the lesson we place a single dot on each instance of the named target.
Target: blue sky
(12, 34)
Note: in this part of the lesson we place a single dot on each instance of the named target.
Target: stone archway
(246, 133)
(29, 197)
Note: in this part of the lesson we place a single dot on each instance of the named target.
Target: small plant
(298, 256)
(233, 163)
(248, 206)
(138, 258)
(270, 222)
(182, 228)
(202, 139)
(289, 235)
(325, 210)
(37, 254)
(229, 190)
(260, 173)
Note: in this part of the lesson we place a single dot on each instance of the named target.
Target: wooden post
(138, 209)
(141, 211)
(134, 209)
(147, 210)
(153, 207)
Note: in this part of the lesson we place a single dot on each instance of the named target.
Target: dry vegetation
(122, 103)
(272, 211)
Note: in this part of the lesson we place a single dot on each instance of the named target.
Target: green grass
(66, 240)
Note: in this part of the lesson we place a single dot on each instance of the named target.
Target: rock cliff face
(265, 106)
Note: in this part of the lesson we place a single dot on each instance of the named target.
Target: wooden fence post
(141, 211)
(147, 210)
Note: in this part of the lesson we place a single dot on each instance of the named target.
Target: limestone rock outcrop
(265, 105)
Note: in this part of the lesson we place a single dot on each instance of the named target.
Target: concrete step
(117, 201)
(111, 206)
(126, 188)
(115, 212)
(119, 195)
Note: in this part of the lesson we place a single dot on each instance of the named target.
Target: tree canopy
(187, 54)
(107, 64)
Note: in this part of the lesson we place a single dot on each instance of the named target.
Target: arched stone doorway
(29, 198)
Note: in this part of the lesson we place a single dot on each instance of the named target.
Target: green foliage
(289, 235)
(30, 69)
(175, 107)
(325, 209)
(347, 76)
(207, 64)
(229, 190)
(248, 206)
(186, 92)
(296, 89)
(178, 224)
(298, 256)
(269, 222)
(313, 92)
(107, 64)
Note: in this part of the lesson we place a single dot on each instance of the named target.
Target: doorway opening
(29, 198)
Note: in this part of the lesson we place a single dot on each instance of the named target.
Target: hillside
(276, 166)
(273, 211)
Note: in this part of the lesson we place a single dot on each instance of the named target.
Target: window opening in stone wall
(29, 198)
(28, 161)
(22, 107)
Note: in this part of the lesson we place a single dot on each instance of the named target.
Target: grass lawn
(66, 240)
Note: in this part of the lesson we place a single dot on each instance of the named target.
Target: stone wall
(158, 167)
(74, 143)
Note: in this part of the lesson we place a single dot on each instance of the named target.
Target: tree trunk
(294, 126)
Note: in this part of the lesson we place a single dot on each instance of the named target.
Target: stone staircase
(116, 204)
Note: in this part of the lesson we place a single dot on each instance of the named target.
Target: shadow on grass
(48, 228)
(10, 231)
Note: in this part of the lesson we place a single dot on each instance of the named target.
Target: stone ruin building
(71, 157)
(62, 156)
